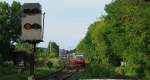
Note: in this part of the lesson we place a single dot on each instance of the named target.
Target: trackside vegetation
(47, 59)
(115, 46)
(119, 42)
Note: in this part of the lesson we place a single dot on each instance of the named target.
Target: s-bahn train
(77, 59)
(72, 61)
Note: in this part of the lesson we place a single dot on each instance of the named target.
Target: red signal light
(27, 26)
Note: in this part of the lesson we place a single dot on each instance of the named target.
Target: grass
(9, 72)
(43, 69)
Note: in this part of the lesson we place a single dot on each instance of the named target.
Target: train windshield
(79, 57)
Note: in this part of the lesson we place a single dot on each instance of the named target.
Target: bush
(16, 76)
(147, 75)
(95, 71)
(9, 72)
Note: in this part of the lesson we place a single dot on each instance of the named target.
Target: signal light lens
(36, 26)
(27, 26)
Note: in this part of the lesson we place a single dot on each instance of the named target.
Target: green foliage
(47, 60)
(23, 46)
(15, 21)
(53, 56)
(10, 27)
(8, 71)
(53, 48)
(94, 71)
(10, 30)
(122, 35)
(4, 36)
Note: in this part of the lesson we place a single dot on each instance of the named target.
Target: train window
(79, 57)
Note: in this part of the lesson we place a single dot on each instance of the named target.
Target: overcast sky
(67, 21)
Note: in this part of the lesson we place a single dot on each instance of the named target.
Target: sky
(67, 21)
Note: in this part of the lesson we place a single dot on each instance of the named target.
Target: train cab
(78, 59)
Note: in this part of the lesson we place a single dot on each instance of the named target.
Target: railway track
(64, 74)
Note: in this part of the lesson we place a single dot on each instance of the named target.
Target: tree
(53, 49)
(15, 21)
(121, 35)
(9, 27)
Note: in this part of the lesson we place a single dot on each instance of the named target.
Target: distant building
(62, 52)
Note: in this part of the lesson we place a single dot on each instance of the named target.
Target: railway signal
(31, 22)
(27, 26)
(32, 30)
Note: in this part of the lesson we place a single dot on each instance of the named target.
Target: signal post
(32, 30)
